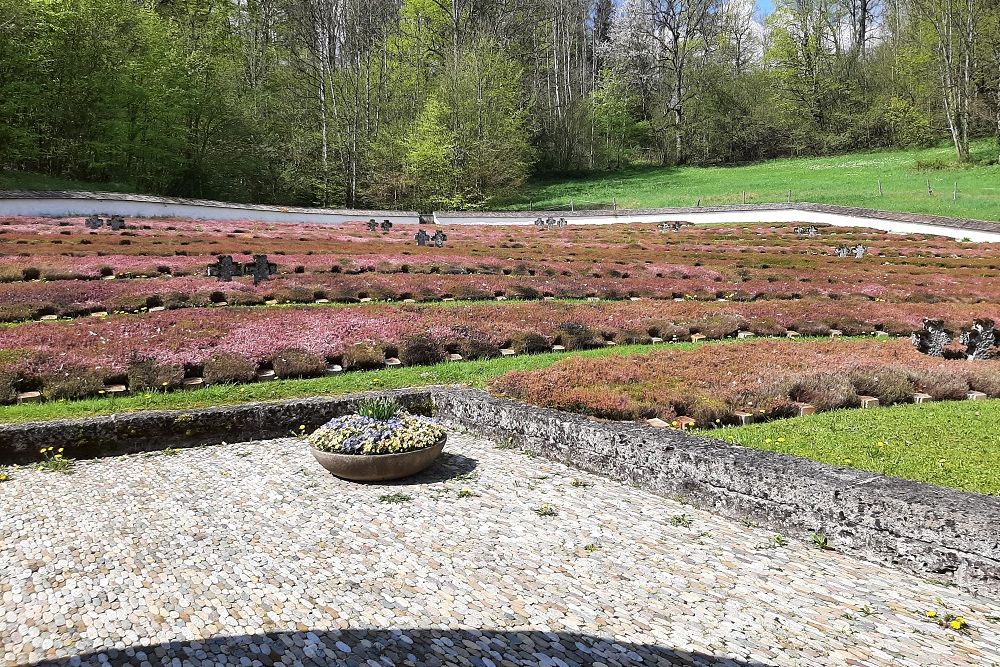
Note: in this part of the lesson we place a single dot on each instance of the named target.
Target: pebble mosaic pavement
(250, 554)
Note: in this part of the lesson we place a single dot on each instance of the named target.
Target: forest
(426, 104)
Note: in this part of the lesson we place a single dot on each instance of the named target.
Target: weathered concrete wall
(157, 430)
(937, 532)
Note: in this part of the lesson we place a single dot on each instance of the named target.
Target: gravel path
(251, 554)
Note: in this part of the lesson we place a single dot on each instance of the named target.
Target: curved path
(251, 554)
(64, 204)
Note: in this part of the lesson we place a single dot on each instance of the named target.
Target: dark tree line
(452, 103)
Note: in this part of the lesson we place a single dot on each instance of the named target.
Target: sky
(765, 6)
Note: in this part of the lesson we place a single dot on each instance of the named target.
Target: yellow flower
(781, 439)
(931, 614)
(768, 441)
(956, 624)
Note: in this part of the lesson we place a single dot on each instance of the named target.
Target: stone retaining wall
(156, 430)
(936, 532)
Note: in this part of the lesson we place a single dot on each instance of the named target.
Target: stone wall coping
(944, 221)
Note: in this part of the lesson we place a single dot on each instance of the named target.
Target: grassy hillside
(850, 180)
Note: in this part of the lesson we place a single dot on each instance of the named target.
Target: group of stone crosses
(551, 222)
(374, 226)
(979, 340)
(810, 231)
(225, 269)
(115, 222)
(675, 226)
(423, 238)
(859, 251)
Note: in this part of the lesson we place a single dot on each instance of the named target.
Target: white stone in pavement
(251, 554)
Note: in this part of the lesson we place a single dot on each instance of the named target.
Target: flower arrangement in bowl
(379, 442)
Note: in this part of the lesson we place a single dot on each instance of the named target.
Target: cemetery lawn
(952, 444)
(849, 180)
(470, 373)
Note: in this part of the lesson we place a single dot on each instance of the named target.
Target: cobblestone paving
(251, 554)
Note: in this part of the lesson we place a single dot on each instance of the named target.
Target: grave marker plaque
(94, 222)
(422, 238)
(439, 238)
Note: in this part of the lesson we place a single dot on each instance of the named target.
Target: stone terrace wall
(156, 430)
(937, 532)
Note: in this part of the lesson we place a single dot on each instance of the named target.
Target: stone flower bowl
(379, 467)
(361, 448)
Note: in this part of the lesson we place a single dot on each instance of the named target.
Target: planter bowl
(379, 467)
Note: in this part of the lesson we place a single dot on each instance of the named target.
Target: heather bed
(768, 379)
(158, 350)
(54, 267)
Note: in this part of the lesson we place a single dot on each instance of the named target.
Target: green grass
(472, 373)
(28, 181)
(953, 444)
(850, 180)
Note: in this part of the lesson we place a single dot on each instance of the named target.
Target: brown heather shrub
(8, 385)
(528, 342)
(297, 363)
(146, 374)
(576, 336)
(473, 344)
(229, 369)
(765, 326)
(632, 337)
(525, 292)
(889, 385)
(825, 391)
(718, 326)
(668, 331)
(363, 357)
(984, 380)
(810, 328)
(421, 350)
(73, 383)
(471, 293)
(941, 384)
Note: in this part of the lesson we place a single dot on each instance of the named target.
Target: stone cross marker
(260, 269)
(225, 268)
(670, 226)
(386, 225)
(372, 225)
(422, 238)
(932, 339)
(117, 223)
(439, 238)
(94, 222)
(807, 231)
(859, 251)
(979, 340)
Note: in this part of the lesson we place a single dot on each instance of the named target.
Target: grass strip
(954, 444)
